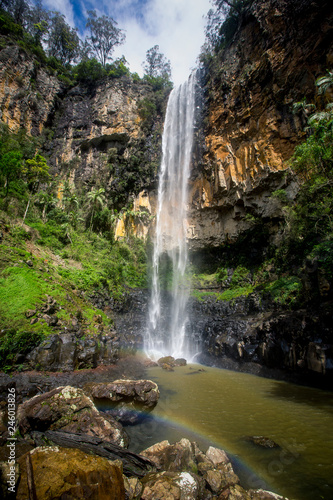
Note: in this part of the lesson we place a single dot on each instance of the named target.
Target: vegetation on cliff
(64, 249)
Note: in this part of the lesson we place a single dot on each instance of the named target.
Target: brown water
(223, 407)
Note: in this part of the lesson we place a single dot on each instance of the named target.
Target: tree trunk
(26, 210)
(133, 464)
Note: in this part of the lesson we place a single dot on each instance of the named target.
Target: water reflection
(223, 407)
(302, 395)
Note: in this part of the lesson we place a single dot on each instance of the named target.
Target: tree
(47, 201)
(222, 22)
(95, 197)
(38, 22)
(35, 170)
(156, 64)
(19, 9)
(10, 166)
(89, 71)
(104, 36)
(63, 41)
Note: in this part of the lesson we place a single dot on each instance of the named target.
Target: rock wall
(93, 135)
(28, 92)
(273, 60)
(250, 334)
(99, 139)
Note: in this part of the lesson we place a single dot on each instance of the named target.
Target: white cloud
(177, 26)
(62, 6)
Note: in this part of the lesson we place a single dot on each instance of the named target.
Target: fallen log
(133, 464)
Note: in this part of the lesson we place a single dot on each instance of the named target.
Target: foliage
(118, 68)
(156, 64)
(104, 36)
(14, 342)
(325, 83)
(96, 199)
(222, 22)
(285, 290)
(309, 221)
(39, 28)
(10, 167)
(241, 276)
(147, 111)
(89, 71)
(63, 41)
(36, 170)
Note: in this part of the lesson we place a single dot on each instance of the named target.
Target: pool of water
(222, 407)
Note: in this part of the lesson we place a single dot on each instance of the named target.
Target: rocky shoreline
(67, 448)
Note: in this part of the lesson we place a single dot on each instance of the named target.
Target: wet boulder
(221, 478)
(125, 399)
(167, 360)
(52, 472)
(68, 409)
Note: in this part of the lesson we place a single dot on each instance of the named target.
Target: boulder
(125, 399)
(171, 457)
(180, 362)
(217, 456)
(68, 409)
(235, 492)
(171, 486)
(51, 473)
(219, 479)
(166, 360)
(133, 488)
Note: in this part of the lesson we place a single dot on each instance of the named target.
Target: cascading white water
(167, 335)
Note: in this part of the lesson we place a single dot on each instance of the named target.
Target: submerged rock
(262, 441)
(68, 409)
(49, 473)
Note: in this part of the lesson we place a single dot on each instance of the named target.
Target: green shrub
(240, 276)
(285, 290)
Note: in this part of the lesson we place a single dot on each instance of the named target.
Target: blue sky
(177, 26)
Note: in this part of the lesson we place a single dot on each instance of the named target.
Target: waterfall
(166, 332)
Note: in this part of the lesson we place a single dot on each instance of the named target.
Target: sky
(177, 26)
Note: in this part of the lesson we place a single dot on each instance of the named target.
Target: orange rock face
(250, 134)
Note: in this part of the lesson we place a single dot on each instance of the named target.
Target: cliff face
(99, 139)
(99, 136)
(278, 51)
(28, 92)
